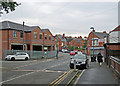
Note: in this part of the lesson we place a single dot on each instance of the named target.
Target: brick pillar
(9, 46)
(26, 47)
(51, 48)
(42, 48)
(31, 47)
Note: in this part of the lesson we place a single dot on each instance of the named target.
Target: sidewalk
(98, 75)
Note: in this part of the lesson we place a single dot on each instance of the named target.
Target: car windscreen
(80, 57)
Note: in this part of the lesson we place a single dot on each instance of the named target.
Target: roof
(61, 37)
(68, 39)
(101, 35)
(116, 29)
(77, 40)
(16, 26)
(44, 30)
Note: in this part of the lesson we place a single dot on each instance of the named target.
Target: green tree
(71, 47)
(84, 45)
(7, 5)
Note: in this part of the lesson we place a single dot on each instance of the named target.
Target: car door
(18, 56)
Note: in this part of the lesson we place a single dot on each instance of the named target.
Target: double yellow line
(60, 78)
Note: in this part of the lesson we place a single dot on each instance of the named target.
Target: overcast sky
(72, 17)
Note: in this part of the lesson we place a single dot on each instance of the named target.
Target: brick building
(15, 35)
(62, 43)
(112, 50)
(98, 42)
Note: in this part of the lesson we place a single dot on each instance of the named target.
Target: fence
(32, 54)
(114, 61)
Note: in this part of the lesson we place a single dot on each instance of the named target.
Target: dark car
(81, 61)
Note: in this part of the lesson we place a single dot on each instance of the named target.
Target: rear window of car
(80, 57)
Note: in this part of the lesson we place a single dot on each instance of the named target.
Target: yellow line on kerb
(60, 78)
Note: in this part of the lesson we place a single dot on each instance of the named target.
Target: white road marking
(29, 73)
(79, 78)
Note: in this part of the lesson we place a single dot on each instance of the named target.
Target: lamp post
(93, 39)
(23, 36)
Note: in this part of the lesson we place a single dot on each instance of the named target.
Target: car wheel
(13, 59)
(26, 58)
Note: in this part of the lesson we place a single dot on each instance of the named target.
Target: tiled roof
(100, 34)
(116, 29)
(16, 26)
(77, 40)
(68, 39)
(44, 30)
(61, 37)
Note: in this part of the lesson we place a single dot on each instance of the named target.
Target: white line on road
(29, 73)
(78, 78)
(17, 77)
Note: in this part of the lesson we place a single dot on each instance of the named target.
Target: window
(21, 34)
(14, 33)
(49, 37)
(40, 36)
(95, 42)
(46, 36)
(35, 35)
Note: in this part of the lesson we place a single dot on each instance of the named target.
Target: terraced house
(15, 35)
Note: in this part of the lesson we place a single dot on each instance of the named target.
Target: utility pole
(57, 47)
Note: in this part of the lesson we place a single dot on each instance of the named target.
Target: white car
(18, 56)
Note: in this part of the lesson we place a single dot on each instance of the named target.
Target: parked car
(72, 52)
(81, 61)
(18, 56)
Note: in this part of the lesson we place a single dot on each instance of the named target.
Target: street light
(93, 39)
(23, 36)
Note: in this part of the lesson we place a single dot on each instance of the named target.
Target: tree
(85, 45)
(70, 47)
(7, 5)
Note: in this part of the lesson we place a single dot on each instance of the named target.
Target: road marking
(33, 63)
(39, 70)
(60, 78)
(27, 74)
(17, 77)
(72, 78)
(79, 77)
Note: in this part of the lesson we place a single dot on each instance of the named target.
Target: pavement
(96, 75)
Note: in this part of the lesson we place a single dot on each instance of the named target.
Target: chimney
(63, 35)
(80, 37)
(56, 35)
(93, 30)
(70, 36)
(75, 37)
(104, 32)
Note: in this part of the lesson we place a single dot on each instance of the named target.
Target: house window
(21, 34)
(95, 42)
(46, 36)
(49, 37)
(40, 36)
(14, 33)
(35, 35)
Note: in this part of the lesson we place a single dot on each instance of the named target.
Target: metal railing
(32, 54)
(114, 63)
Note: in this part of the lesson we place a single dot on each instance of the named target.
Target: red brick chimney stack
(63, 35)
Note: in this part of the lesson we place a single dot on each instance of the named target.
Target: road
(35, 71)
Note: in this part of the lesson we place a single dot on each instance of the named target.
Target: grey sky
(63, 16)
